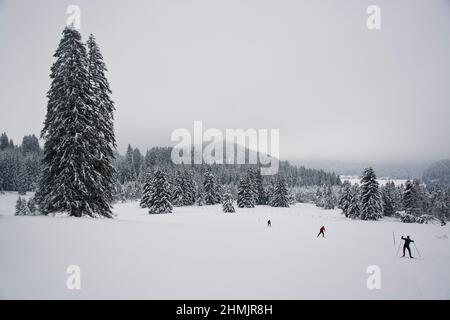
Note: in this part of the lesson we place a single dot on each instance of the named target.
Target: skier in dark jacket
(321, 232)
(269, 224)
(406, 245)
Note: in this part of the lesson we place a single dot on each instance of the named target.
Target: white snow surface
(203, 253)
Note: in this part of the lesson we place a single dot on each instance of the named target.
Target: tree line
(160, 193)
(411, 202)
(19, 164)
(133, 167)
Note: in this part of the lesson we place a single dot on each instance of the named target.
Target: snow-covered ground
(381, 180)
(202, 253)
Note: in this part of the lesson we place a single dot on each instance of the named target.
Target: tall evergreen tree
(159, 194)
(188, 188)
(319, 196)
(387, 199)
(346, 197)
(388, 203)
(280, 193)
(74, 174)
(439, 203)
(211, 195)
(354, 208)
(246, 195)
(423, 200)
(411, 199)
(147, 193)
(23, 181)
(261, 195)
(328, 198)
(177, 189)
(371, 207)
(129, 173)
(104, 126)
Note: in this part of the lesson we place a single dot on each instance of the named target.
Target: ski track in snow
(203, 253)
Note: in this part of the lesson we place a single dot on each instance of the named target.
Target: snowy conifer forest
(115, 207)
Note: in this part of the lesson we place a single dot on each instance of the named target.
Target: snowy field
(202, 253)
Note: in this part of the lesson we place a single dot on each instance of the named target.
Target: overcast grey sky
(335, 89)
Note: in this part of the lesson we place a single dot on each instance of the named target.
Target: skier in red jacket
(321, 232)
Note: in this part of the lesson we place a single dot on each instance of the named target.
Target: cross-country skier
(269, 224)
(322, 232)
(406, 245)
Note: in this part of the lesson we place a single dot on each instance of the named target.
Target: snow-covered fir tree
(411, 199)
(177, 189)
(128, 169)
(252, 175)
(219, 192)
(346, 197)
(320, 197)
(371, 207)
(183, 189)
(22, 180)
(246, 197)
(188, 188)
(280, 193)
(354, 208)
(328, 198)
(423, 199)
(147, 192)
(387, 199)
(440, 203)
(261, 194)
(159, 194)
(103, 126)
(292, 197)
(397, 194)
(228, 203)
(31, 204)
(200, 196)
(74, 178)
(270, 192)
(210, 188)
(21, 207)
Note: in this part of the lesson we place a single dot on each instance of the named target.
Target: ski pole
(399, 245)
(417, 250)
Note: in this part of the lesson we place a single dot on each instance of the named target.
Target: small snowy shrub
(22, 208)
(228, 203)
